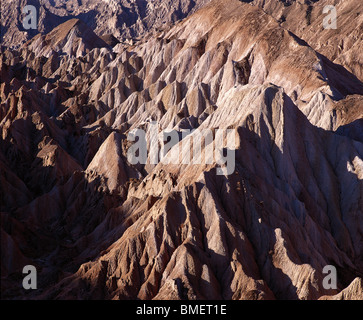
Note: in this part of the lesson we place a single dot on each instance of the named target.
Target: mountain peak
(73, 37)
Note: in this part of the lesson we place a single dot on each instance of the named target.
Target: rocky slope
(122, 19)
(97, 227)
(342, 45)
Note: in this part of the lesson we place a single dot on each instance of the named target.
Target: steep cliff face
(98, 227)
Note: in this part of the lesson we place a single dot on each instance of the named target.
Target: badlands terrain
(97, 227)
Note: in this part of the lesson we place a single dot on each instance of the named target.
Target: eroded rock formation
(97, 227)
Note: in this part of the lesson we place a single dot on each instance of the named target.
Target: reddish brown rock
(97, 227)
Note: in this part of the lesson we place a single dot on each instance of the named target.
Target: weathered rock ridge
(124, 20)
